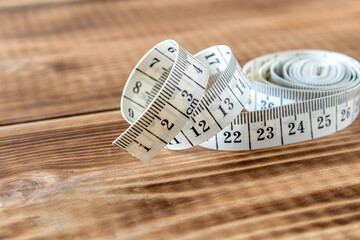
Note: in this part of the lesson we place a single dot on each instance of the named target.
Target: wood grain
(73, 57)
(62, 178)
(63, 64)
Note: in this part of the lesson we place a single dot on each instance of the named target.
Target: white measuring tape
(177, 100)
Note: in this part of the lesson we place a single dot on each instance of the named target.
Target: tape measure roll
(295, 96)
(152, 101)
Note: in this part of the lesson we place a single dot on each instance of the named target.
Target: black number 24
(292, 126)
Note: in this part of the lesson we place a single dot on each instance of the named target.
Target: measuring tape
(175, 100)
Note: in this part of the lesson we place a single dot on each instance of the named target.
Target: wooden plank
(62, 178)
(66, 58)
(26, 4)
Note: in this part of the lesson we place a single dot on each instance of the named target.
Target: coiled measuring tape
(289, 96)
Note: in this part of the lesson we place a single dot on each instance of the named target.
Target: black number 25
(321, 121)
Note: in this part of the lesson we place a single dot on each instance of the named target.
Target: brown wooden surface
(63, 65)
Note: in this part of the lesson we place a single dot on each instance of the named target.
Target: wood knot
(18, 190)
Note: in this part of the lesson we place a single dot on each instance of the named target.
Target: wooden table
(63, 64)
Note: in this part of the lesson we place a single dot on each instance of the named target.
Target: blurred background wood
(63, 65)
